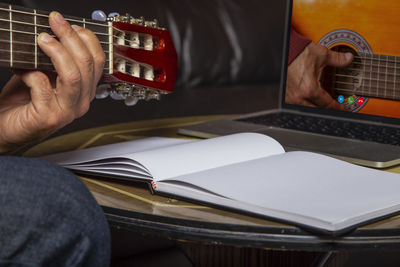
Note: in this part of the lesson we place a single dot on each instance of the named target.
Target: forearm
(297, 45)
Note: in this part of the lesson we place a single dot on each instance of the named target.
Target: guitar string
(129, 62)
(42, 54)
(46, 67)
(366, 90)
(354, 64)
(50, 65)
(362, 55)
(48, 27)
(352, 84)
(357, 91)
(377, 57)
(362, 64)
(31, 53)
(7, 10)
(31, 33)
(350, 92)
(371, 79)
(392, 74)
(45, 26)
(30, 44)
(370, 87)
(87, 22)
(119, 37)
(41, 64)
(368, 78)
(106, 50)
(365, 78)
(362, 90)
(37, 25)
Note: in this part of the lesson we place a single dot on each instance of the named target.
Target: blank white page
(307, 184)
(197, 156)
(166, 157)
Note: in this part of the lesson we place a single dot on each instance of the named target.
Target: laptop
(366, 128)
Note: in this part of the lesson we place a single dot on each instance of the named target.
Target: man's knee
(45, 204)
(43, 187)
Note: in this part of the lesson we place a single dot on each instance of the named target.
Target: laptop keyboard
(332, 127)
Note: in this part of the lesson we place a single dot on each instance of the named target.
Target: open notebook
(249, 173)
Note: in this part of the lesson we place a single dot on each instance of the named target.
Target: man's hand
(303, 85)
(30, 108)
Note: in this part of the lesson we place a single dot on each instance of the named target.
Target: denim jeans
(48, 217)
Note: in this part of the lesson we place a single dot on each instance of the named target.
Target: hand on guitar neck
(30, 107)
(304, 86)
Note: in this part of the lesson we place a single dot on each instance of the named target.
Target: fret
(23, 31)
(394, 77)
(381, 72)
(20, 27)
(36, 40)
(375, 75)
(363, 59)
(370, 77)
(386, 76)
(11, 37)
(111, 47)
(390, 83)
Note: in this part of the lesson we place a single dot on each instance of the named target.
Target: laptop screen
(351, 67)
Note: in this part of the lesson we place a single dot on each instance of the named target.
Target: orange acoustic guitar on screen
(371, 30)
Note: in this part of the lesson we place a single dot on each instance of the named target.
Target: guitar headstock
(142, 60)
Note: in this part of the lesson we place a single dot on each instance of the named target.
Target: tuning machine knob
(113, 14)
(153, 24)
(131, 94)
(131, 100)
(103, 91)
(99, 15)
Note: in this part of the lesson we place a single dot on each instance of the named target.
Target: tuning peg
(116, 96)
(131, 100)
(103, 91)
(153, 24)
(99, 15)
(113, 14)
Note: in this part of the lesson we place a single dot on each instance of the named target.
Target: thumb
(338, 59)
(42, 92)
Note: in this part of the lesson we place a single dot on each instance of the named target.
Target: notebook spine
(153, 187)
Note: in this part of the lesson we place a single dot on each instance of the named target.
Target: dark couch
(229, 56)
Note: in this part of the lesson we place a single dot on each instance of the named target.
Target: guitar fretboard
(370, 75)
(19, 29)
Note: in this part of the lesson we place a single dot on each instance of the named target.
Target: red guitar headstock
(142, 60)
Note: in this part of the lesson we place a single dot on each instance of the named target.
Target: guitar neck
(370, 75)
(19, 30)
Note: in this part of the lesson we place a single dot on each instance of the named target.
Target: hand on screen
(303, 85)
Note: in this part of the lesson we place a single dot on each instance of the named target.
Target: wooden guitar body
(368, 26)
